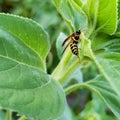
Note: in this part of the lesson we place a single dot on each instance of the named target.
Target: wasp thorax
(76, 37)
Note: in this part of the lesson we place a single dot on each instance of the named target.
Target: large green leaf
(103, 90)
(101, 15)
(73, 17)
(107, 58)
(29, 91)
(27, 31)
(105, 53)
(24, 87)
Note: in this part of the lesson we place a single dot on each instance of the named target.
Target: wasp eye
(76, 37)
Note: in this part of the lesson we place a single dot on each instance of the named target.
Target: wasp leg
(66, 47)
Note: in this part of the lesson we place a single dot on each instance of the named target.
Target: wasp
(73, 43)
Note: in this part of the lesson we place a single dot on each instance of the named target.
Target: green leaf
(24, 87)
(73, 17)
(90, 8)
(103, 90)
(106, 56)
(107, 59)
(13, 48)
(29, 91)
(101, 15)
(101, 87)
(59, 42)
(111, 69)
(28, 32)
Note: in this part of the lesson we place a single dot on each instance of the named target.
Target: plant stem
(96, 62)
(65, 68)
(71, 69)
(8, 115)
(83, 85)
(59, 70)
(77, 86)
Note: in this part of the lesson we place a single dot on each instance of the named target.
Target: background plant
(25, 85)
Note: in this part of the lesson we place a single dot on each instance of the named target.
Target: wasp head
(78, 32)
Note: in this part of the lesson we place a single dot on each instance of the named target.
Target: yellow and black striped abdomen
(74, 48)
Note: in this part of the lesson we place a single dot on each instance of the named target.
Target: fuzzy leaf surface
(28, 32)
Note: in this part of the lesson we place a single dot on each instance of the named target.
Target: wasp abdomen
(74, 48)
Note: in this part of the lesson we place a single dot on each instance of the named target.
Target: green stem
(71, 69)
(8, 115)
(96, 62)
(102, 72)
(59, 70)
(66, 67)
(83, 85)
(76, 87)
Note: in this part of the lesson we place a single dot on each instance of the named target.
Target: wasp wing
(66, 47)
(67, 39)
